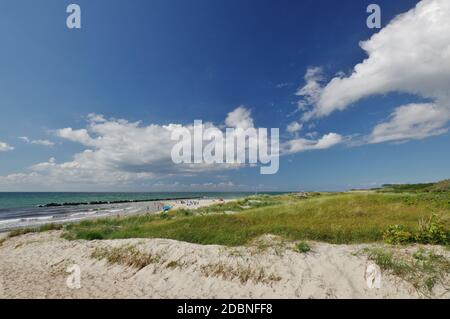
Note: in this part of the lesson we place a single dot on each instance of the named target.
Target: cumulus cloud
(119, 152)
(294, 127)
(37, 142)
(412, 121)
(5, 147)
(241, 117)
(411, 55)
(302, 144)
(122, 146)
(312, 91)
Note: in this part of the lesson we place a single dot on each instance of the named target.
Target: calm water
(28, 200)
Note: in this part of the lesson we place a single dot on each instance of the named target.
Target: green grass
(243, 273)
(132, 256)
(424, 269)
(334, 218)
(23, 231)
(128, 256)
(439, 187)
(302, 247)
(236, 206)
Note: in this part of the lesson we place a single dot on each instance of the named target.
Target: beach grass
(339, 218)
(422, 268)
(302, 247)
(127, 256)
(39, 229)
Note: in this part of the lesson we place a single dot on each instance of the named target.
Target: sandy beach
(43, 265)
(196, 203)
(35, 266)
(89, 212)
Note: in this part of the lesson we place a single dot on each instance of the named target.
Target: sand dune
(34, 266)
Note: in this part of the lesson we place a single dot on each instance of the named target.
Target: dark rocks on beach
(111, 202)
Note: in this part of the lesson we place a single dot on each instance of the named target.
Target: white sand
(196, 203)
(121, 209)
(34, 266)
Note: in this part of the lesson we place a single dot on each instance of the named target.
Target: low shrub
(397, 234)
(432, 231)
(127, 256)
(424, 269)
(302, 247)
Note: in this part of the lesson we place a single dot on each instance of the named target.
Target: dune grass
(127, 256)
(334, 218)
(237, 205)
(422, 268)
(302, 247)
(438, 187)
(39, 229)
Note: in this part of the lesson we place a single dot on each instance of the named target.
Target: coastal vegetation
(132, 256)
(43, 228)
(398, 217)
(423, 268)
(442, 186)
(302, 247)
(404, 229)
(127, 256)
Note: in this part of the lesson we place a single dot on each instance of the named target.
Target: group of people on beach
(190, 202)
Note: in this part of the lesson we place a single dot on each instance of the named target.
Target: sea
(18, 210)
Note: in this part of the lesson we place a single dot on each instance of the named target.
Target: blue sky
(163, 62)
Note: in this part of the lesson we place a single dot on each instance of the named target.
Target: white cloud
(37, 142)
(80, 136)
(283, 85)
(302, 144)
(239, 118)
(294, 127)
(96, 118)
(5, 147)
(118, 152)
(411, 55)
(412, 121)
(312, 90)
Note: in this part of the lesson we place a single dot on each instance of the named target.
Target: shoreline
(115, 202)
(109, 210)
(189, 263)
